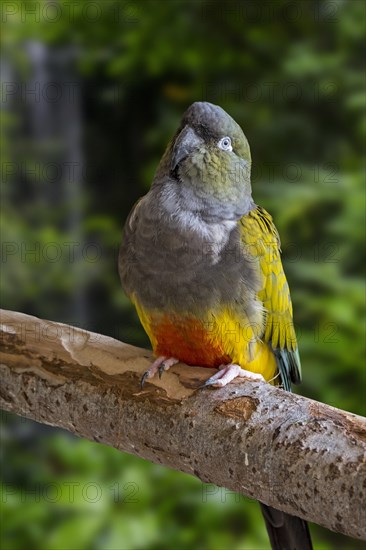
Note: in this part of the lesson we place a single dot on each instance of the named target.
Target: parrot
(201, 262)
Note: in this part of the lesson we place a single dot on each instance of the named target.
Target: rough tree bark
(297, 455)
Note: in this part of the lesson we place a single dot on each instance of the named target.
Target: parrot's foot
(160, 365)
(228, 373)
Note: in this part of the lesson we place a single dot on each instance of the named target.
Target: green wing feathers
(261, 240)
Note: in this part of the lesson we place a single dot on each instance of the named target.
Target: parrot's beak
(186, 142)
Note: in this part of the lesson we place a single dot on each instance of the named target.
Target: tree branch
(297, 455)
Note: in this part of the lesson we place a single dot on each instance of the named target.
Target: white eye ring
(225, 144)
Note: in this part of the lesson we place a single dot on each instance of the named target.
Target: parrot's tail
(286, 532)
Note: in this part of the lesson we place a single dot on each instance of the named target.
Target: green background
(100, 87)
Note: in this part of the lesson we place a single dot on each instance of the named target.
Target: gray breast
(185, 270)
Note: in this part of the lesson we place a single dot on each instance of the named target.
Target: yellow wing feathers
(261, 239)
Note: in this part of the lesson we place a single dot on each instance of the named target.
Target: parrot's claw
(162, 369)
(160, 365)
(143, 378)
(228, 373)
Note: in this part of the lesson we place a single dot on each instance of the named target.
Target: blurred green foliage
(291, 73)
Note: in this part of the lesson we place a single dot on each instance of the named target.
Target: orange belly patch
(189, 341)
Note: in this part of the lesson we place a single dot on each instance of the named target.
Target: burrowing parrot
(201, 263)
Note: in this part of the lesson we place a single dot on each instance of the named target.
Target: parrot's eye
(225, 144)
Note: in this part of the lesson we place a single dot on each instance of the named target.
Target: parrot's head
(207, 165)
